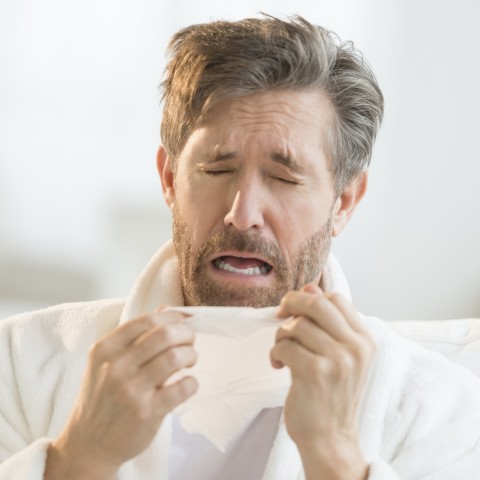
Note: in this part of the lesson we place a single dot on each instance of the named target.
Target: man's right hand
(123, 397)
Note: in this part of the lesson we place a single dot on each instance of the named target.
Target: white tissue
(236, 379)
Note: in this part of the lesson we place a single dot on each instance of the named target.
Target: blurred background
(81, 209)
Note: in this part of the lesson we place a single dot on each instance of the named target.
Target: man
(267, 132)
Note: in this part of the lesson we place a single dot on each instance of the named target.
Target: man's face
(253, 200)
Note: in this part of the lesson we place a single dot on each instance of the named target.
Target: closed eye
(216, 172)
(286, 180)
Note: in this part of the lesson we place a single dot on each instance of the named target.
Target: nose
(246, 209)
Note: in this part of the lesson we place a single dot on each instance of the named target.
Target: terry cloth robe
(419, 416)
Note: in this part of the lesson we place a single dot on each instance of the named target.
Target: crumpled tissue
(236, 379)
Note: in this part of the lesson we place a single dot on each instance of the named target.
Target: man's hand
(123, 397)
(328, 352)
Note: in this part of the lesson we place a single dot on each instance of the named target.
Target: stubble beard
(199, 288)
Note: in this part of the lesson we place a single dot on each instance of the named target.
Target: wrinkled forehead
(302, 117)
(313, 104)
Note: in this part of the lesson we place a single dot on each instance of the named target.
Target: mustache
(247, 242)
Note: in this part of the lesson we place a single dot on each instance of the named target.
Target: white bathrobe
(419, 417)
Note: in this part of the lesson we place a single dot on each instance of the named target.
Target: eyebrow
(285, 160)
(216, 156)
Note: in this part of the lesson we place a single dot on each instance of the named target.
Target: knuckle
(316, 302)
(100, 352)
(97, 351)
(364, 349)
(283, 348)
(298, 327)
(336, 296)
(288, 297)
(144, 322)
(165, 335)
(289, 344)
(116, 371)
(335, 368)
(169, 335)
(173, 357)
(185, 388)
(290, 327)
(175, 333)
(358, 351)
(344, 364)
(321, 368)
(312, 302)
(129, 393)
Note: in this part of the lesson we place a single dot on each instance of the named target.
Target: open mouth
(242, 265)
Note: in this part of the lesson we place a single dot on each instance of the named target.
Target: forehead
(290, 121)
(279, 108)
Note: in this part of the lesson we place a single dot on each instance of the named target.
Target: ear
(167, 177)
(347, 202)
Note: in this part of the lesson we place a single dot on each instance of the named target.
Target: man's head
(268, 129)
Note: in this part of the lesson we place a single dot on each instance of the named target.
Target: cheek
(196, 189)
(201, 210)
(297, 219)
(290, 227)
(302, 214)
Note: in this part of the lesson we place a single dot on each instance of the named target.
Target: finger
(311, 288)
(115, 341)
(319, 309)
(365, 346)
(349, 312)
(158, 370)
(153, 342)
(168, 316)
(308, 334)
(161, 308)
(169, 397)
(292, 354)
(345, 307)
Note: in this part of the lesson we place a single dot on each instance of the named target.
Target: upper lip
(232, 253)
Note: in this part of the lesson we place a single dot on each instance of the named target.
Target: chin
(228, 297)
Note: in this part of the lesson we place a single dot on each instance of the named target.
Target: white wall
(80, 204)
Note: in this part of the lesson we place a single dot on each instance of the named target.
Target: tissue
(236, 379)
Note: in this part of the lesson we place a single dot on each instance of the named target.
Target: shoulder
(63, 327)
(425, 360)
(42, 357)
(428, 398)
(456, 339)
(441, 348)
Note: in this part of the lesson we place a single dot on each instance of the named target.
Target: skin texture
(228, 173)
(230, 189)
(254, 180)
(328, 352)
(123, 399)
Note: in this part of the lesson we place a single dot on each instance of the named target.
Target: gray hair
(225, 59)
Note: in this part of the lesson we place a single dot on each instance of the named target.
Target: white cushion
(458, 340)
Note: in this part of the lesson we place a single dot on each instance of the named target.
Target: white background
(81, 209)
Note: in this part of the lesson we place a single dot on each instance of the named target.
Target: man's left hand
(329, 352)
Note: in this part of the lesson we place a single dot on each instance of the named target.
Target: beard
(199, 288)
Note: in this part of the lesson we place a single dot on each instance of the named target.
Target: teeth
(222, 265)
